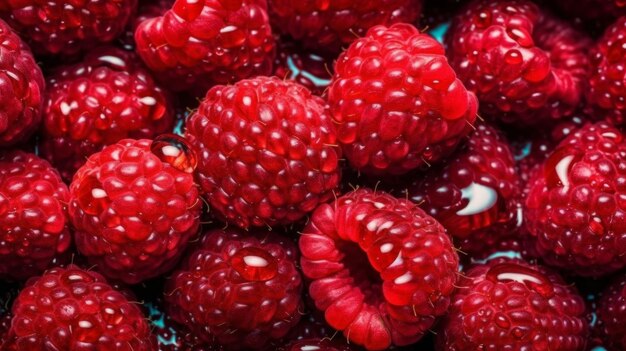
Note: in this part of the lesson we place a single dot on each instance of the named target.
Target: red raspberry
(66, 27)
(592, 10)
(526, 67)
(201, 43)
(34, 231)
(475, 195)
(611, 313)
(267, 153)
(135, 210)
(512, 305)
(73, 309)
(21, 89)
(147, 9)
(100, 101)
(305, 67)
(380, 268)
(330, 24)
(397, 102)
(575, 210)
(316, 345)
(607, 91)
(238, 290)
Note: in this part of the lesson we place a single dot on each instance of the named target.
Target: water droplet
(506, 272)
(481, 198)
(91, 196)
(175, 150)
(383, 252)
(558, 166)
(254, 264)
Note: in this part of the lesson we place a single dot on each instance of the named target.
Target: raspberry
(62, 27)
(73, 309)
(511, 305)
(34, 231)
(100, 101)
(397, 102)
(316, 344)
(526, 67)
(611, 314)
(592, 10)
(574, 209)
(21, 89)
(606, 95)
(380, 268)
(475, 195)
(201, 43)
(330, 24)
(267, 153)
(237, 290)
(305, 67)
(134, 210)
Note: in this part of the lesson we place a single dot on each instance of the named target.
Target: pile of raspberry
(313, 175)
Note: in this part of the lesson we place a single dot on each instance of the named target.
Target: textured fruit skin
(267, 150)
(34, 231)
(309, 68)
(397, 102)
(511, 305)
(223, 299)
(575, 208)
(606, 95)
(73, 309)
(133, 214)
(61, 27)
(103, 99)
(611, 314)
(331, 25)
(21, 89)
(197, 44)
(475, 194)
(316, 344)
(526, 67)
(380, 268)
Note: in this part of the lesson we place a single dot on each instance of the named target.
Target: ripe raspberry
(133, 209)
(511, 305)
(330, 24)
(380, 268)
(475, 195)
(316, 344)
(147, 9)
(611, 315)
(66, 27)
(574, 209)
(305, 67)
(237, 290)
(526, 67)
(607, 91)
(202, 43)
(21, 89)
(267, 153)
(98, 102)
(34, 231)
(73, 309)
(397, 102)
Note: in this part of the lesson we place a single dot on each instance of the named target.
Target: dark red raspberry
(21, 89)
(525, 66)
(100, 101)
(380, 268)
(312, 70)
(602, 11)
(607, 81)
(73, 309)
(199, 43)
(66, 27)
(611, 313)
(512, 305)
(237, 289)
(476, 194)
(316, 344)
(575, 209)
(267, 151)
(330, 24)
(397, 102)
(135, 206)
(34, 231)
(147, 9)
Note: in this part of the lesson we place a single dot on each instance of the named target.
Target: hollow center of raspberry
(506, 272)
(365, 277)
(254, 264)
(175, 151)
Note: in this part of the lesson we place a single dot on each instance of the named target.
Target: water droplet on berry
(506, 272)
(254, 264)
(383, 253)
(91, 196)
(481, 198)
(558, 166)
(175, 150)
